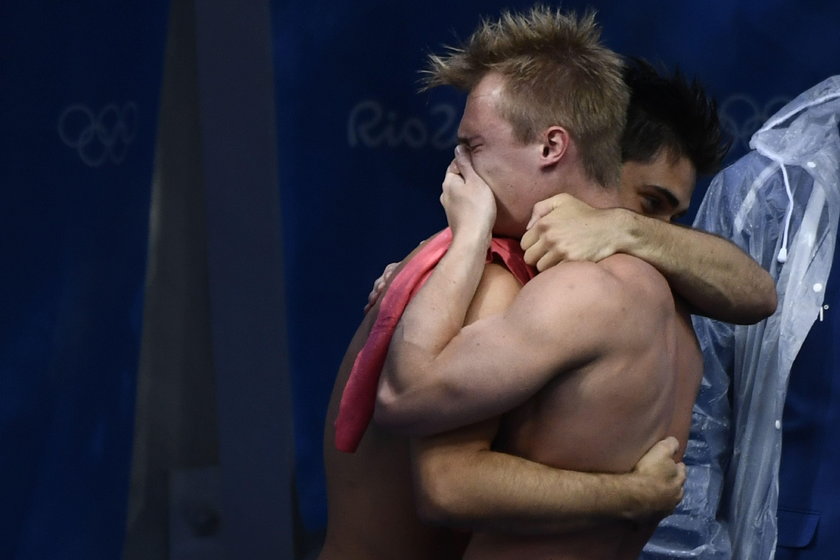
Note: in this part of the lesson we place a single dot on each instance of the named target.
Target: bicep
(426, 398)
(499, 361)
(556, 323)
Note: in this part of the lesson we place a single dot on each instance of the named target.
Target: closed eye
(660, 202)
(470, 143)
(651, 204)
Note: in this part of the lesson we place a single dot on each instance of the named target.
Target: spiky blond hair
(556, 73)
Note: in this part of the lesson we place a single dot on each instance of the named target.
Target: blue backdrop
(361, 159)
(79, 97)
(362, 153)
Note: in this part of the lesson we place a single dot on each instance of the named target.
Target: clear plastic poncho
(780, 203)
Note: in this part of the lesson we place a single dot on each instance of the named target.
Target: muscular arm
(439, 377)
(712, 274)
(460, 481)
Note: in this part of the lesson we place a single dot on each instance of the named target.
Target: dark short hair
(668, 112)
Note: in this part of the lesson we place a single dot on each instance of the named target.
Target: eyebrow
(668, 195)
(673, 201)
(468, 139)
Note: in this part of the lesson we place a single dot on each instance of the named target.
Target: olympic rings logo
(741, 116)
(99, 137)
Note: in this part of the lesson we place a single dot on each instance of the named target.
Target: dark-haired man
(672, 135)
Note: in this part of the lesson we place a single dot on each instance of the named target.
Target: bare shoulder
(497, 290)
(641, 291)
(617, 282)
(640, 280)
(634, 272)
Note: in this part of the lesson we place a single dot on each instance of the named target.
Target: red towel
(359, 397)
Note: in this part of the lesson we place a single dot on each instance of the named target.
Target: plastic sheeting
(785, 193)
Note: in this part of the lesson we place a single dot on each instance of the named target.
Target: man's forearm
(491, 491)
(712, 274)
(434, 316)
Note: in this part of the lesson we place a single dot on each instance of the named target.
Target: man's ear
(555, 142)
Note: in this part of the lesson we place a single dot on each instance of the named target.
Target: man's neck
(594, 193)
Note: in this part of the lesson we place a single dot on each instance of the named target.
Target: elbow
(767, 298)
(397, 412)
(438, 499)
(399, 403)
(388, 411)
(764, 304)
(417, 411)
(435, 509)
(392, 409)
(770, 300)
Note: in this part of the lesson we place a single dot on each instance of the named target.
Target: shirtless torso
(371, 508)
(603, 416)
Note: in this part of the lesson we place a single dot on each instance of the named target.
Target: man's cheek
(482, 168)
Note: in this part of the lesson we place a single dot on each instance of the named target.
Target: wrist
(477, 239)
(629, 228)
(635, 497)
(622, 496)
